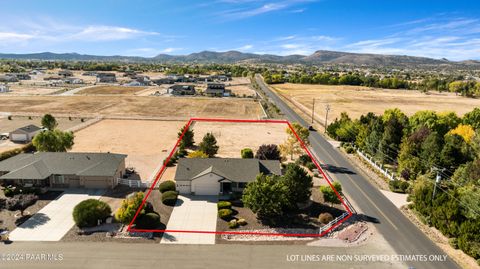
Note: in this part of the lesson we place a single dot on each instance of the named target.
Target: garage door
(19, 137)
(97, 184)
(207, 188)
(183, 187)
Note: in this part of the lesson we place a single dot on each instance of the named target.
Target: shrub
(304, 159)
(349, 149)
(268, 152)
(129, 207)
(148, 221)
(148, 208)
(453, 242)
(325, 217)
(88, 212)
(242, 222)
(197, 154)
(233, 224)
(169, 198)
(247, 153)
(225, 214)
(399, 186)
(311, 166)
(224, 205)
(167, 186)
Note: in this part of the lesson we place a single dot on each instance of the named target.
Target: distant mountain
(317, 58)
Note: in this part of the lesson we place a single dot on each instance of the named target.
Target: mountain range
(317, 58)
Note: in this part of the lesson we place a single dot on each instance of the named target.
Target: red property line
(187, 126)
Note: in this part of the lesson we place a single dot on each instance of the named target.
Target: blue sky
(438, 29)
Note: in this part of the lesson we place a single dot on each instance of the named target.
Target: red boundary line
(158, 175)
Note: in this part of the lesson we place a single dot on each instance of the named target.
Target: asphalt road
(404, 237)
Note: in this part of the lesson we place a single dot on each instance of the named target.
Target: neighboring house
(52, 78)
(65, 73)
(134, 84)
(63, 170)
(217, 89)
(214, 176)
(106, 77)
(160, 81)
(4, 88)
(90, 74)
(24, 134)
(73, 80)
(8, 78)
(20, 76)
(181, 90)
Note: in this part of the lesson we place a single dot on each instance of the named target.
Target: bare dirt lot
(133, 106)
(361, 100)
(17, 89)
(147, 143)
(233, 137)
(111, 90)
(241, 87)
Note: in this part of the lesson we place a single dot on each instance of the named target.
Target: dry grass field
(233, 137)
(240, 87)
(132, 106)
(361, 100)
(146, 142)
(106, 89)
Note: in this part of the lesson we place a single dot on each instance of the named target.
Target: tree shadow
(337, 169)
(32, 221)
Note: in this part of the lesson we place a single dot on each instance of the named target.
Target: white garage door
(19, 137)
(183, 187)
(97, 184)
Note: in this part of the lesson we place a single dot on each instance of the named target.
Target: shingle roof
(43, 164)
(28, 129)
(233, 169)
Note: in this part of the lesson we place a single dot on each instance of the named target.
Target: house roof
(28, 129)
(233, 169)
(43, 164)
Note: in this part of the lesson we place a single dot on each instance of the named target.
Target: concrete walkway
(53, 221)
(192, 213)
(398, 199)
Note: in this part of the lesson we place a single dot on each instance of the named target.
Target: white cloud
(249, 8)
(107, 33)
(244, 48)
(14, 37)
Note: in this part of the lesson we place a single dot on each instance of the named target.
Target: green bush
(224, 205)
(167, 186)
(325, 217)
(304, 159)
(247, 153)
(225, 214)
(453, 242)
(349, 149)
(148, 221)
(242, 222)
(233, 224)
(169, 198)
(311, 166)
(88, 212)
(399, 186)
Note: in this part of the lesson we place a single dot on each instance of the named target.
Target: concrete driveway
(192, 213)
(53, 221)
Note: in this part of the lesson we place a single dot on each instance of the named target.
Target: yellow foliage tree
(197, 154)
(465, 131)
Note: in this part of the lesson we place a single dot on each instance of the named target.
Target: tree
(267, 196)
(268, 152)
(88, 212)
(20, 202)
(329, 194)
(49, 122)
(209, 145)
(301, 131)
(129, 207)
(53, 141)
(187, 139)
(453, 153)
(392, 136)
(298, 182)
(197, 154)
(290, 147)
(472, 118)
(465, 131)
(247, 153)
(431, 150)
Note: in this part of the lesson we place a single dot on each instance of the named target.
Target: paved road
(404, 237)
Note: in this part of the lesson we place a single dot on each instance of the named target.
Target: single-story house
(20, 76)
(8, 78)
(4, 88)
(182, 90)
(73, 80)
(24, 134)
(65, 73)
(63, 170)
(217, 89)
(106, 77)
(160, 81)
(214, 176)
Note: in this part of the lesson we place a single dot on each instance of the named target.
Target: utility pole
(437, 180)
(327, 108)
(313, 109)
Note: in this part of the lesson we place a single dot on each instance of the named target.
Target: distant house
(65, 73)
(4, 88)
(106, 78)
(214, 176)
(145, 80)
(8, 78)
(63, 170)
(90, 74)
(181, 90)
(36, 72)
(73, 80)
(20, 76)
(24, 134)
(52, 78)
(160, 81)
(217, 89)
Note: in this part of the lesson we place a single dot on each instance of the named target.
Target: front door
(226, 187)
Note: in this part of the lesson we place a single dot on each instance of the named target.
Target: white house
(24, 134)
(4, 88)
(215, 176)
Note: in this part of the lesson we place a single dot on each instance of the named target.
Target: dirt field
(147, 143)
(360, 100)
(233, 137)
(240, 87)
(111, 90)
(17, 89)
(133, 106)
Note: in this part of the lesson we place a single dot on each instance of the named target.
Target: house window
(58, 179)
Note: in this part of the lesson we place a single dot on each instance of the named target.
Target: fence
(133, 183)
(379, 167)
(332, 223)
